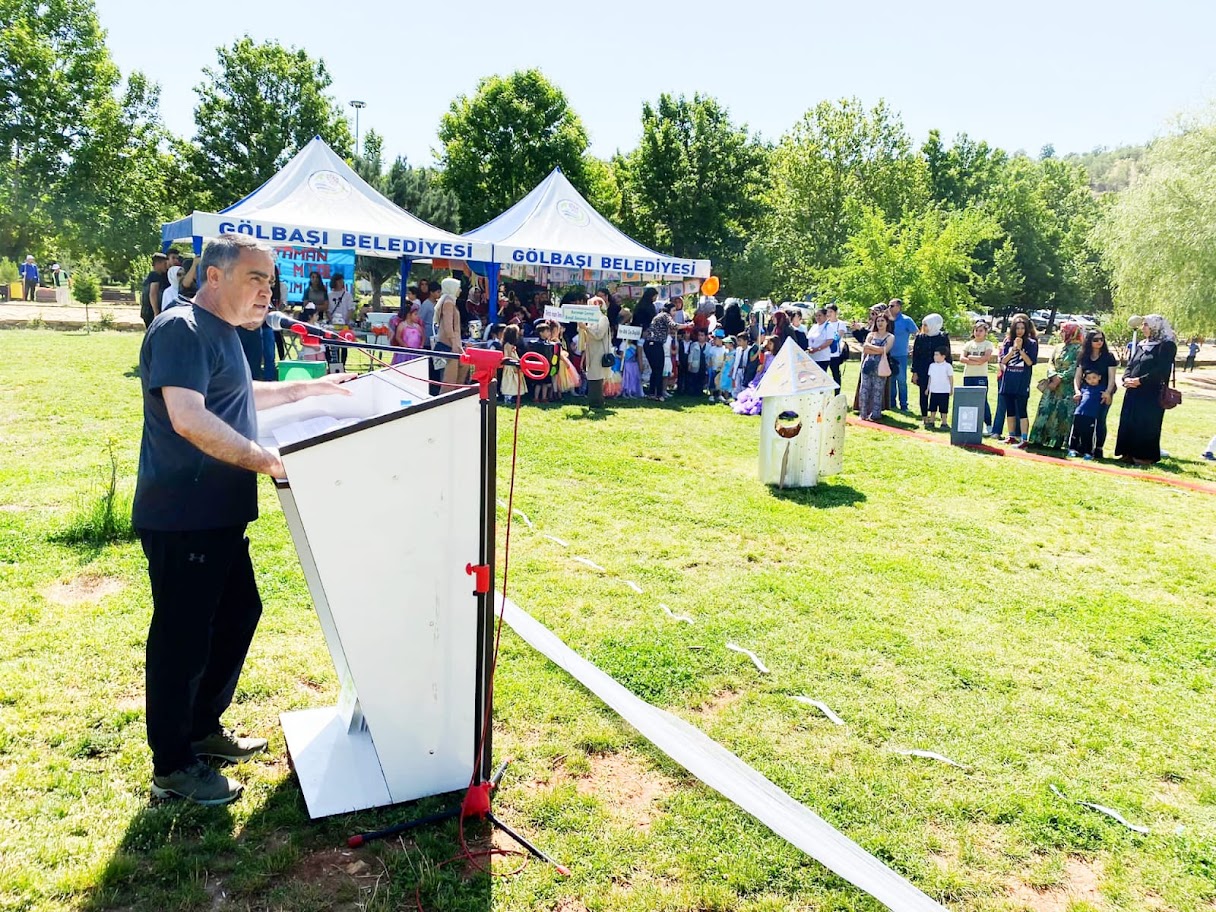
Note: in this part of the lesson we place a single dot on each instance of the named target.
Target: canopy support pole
(406, 264)
(492, 290)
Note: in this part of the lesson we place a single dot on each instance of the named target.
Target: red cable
(466, 854)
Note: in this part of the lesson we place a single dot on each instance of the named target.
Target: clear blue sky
(1073, 74)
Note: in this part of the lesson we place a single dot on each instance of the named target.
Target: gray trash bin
(967, 415)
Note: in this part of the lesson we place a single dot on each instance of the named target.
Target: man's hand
(267, 394)
(329, 385)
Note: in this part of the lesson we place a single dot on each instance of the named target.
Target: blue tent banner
(297, 264)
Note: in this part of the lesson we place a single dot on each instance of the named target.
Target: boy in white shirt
(717, 357)
(941, 385)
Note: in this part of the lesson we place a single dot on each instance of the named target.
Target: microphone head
(1135, 321)
(276, 320)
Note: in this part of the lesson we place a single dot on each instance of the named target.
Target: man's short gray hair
(223, 252)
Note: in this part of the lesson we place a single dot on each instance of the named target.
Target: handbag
(1169, 397)
(1049, 384)
(607, 359)
(884, 366)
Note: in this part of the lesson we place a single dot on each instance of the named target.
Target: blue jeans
(998, 420)
(982, 381)
(898, 397)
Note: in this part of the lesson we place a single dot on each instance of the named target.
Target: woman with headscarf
(595, 341)
(1148, 371)
(1053, 421)
(930, 339)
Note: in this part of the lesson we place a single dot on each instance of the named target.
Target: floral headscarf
(1070, 332)
(1157, 329)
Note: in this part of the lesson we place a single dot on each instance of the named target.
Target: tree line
(845, 206)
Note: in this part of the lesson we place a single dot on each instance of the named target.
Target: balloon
(710, 286)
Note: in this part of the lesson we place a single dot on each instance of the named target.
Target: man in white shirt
(819, 340)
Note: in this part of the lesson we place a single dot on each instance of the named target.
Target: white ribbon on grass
(722, 771)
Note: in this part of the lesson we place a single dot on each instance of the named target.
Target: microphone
(277, 320)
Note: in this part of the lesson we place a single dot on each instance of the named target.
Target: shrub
(86, 289)
(8, 271)
(106, 320)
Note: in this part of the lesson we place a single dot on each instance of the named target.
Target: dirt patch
(82, 589)
(1080, 883)
(626, 787)
(342, 874)
(717, 703)
(569, 905)
(13, 508)
(130, 703)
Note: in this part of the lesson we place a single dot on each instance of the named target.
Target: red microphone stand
(476, 801)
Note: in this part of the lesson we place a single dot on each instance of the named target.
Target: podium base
(338, 769)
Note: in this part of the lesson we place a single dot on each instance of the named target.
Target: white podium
(384, 500)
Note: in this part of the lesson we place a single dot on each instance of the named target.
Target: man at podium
(195, 494)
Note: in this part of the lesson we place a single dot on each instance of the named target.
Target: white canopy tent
(555, 226)
(317, 200)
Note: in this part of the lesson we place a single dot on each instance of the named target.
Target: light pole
(358, 106)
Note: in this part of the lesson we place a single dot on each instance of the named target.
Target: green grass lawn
(1040, 625)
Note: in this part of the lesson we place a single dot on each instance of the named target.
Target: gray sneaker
(226, 745)
(198, 783)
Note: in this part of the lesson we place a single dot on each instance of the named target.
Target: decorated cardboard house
(802, 421)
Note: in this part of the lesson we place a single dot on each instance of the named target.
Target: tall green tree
(422, 192)
(1160, 235)
(927, 259)
(694, 186)
(502, 141)
(964, 173)
(369, 163)
(256, 108)
(837, 162)
(83, 166)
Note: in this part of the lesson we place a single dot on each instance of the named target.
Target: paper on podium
(371, 395)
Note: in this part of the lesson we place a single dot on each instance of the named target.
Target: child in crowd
(717, 358)
(644, 366)
(726, 375)
(631, 374)
(512, 380)
(542, 390)
(941, 385)
(671, 364)
(1081, 440)
(408, 334)
(694, 363)
(751, 363)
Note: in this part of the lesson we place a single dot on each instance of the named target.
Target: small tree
(87, 291)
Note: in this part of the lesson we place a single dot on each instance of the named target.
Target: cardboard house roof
(794, 372)
(317, 200)
(555, 226)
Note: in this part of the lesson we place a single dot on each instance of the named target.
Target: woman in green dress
(1053, 422)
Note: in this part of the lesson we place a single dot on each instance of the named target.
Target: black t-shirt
(151, 291)
(179, 487)
(1100, 365)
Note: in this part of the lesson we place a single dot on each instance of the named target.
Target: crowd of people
(1077, 390)
(658, 349)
